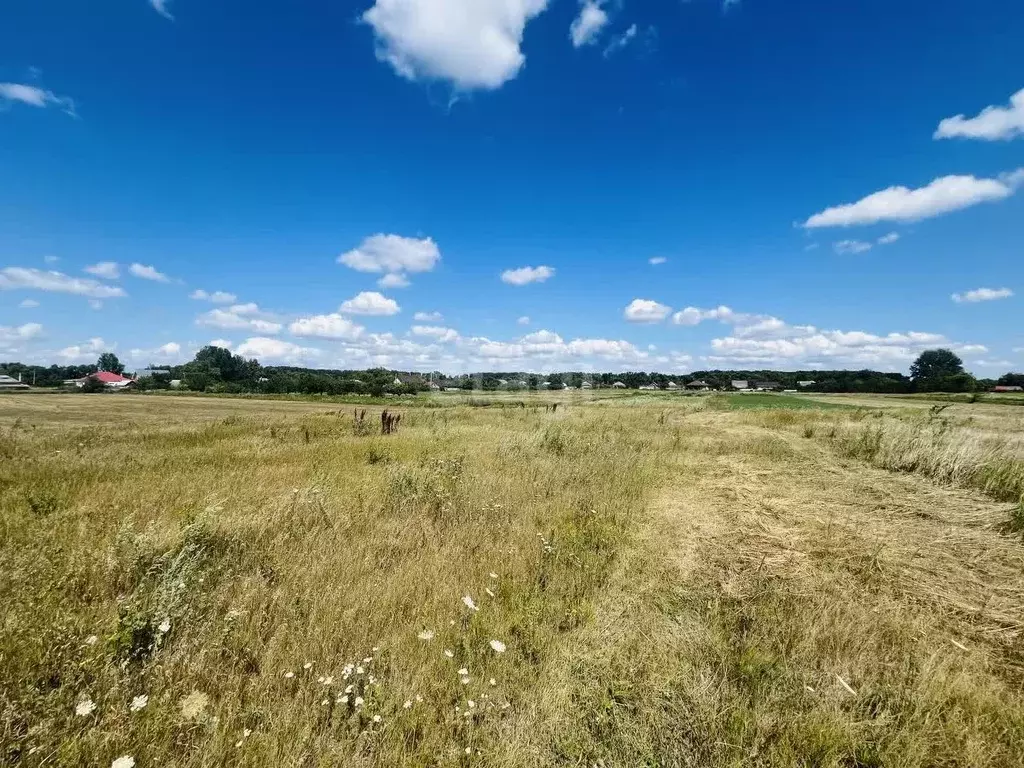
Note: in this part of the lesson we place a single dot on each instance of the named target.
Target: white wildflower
(307, 666)
(348, 689)
(85, 707)
(489, 593)
(463, 671)
(139, 702)
(289, 675)
(320, 680)
(368, 660)
(165, 626)
(426, 634)
(325, 702)
(472, 704)
(360, 670)
(327, 680)
(497, 646)
(359, 701)
(494, 575)
(124, 761)
(192, 706)
(408, 704)
(468, 601)
(493, 681)
(342, 699)
(375, 648)
(91, 640)
(465, 680)
(468, 751)
(449, 654)
(246, 733)
(377, 718)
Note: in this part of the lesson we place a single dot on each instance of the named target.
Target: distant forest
(215, 369)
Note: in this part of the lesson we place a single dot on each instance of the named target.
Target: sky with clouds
(514, 184)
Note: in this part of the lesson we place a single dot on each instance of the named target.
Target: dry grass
(673, 586)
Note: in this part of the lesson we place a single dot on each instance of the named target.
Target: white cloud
(160, 6)
(82, 353)
(469, 43)
(428, 317)
(810, 247)
(247, 317)
(333, 326)
(991, 124)
(95, 304)
(108, 270)
(148, 272)
(437, 332)
(621, 41)
(216, 297)
(20, 332)
(393, 280)
(807, 346)
(846, 247)
(392, 254)
(889, 239)
(656, 260)
(646, 311)
(370, 303)
(223, 343)
(547, 350)
(694, 316)
(527, 275)
(1004, 364)
(269, 351)
(50, 259)
(943, 195)
(982, 294)
(165, 353)
(588, 24)
(34, 96)
(524, 320)
(28, 304)
(15, 278)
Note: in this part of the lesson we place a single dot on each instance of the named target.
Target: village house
(8, 383)
(110, 380)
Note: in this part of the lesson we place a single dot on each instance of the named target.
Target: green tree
(934, 368)
(93, 385)
(108, 362)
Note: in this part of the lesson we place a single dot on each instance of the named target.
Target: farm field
(630, 580)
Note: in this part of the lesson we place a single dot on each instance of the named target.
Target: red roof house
(110, 380)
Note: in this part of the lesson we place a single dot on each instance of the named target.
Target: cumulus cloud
(394, 280)
(108, 270)
(271, 351)
(472, 44)
(85, 352)
(239, 317)
(34, 96)
(370, 303)
(889, 239)
(428, 317)
(943, 195)
(991, 124)
(656, 260)
(440, 333)
(588, 24)
(223, 343)
(148, 272)
(847, 247)
(982, 294)
(20, 332)
(22, 278)
(393, 255)
(646, 311)
(694, 315)
(216, 297)
(527, 275)
(333, 326)
(838, 348)
(546, 349)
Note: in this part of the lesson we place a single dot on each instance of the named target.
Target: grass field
(625, 581)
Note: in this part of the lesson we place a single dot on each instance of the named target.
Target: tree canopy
(940, 370)
(108, 362)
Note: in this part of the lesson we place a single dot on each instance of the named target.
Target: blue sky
(483, 184)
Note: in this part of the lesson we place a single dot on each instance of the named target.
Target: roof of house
(9, 382)
(1007, 388)
(109, 378)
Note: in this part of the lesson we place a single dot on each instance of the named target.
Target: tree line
(215, 369)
